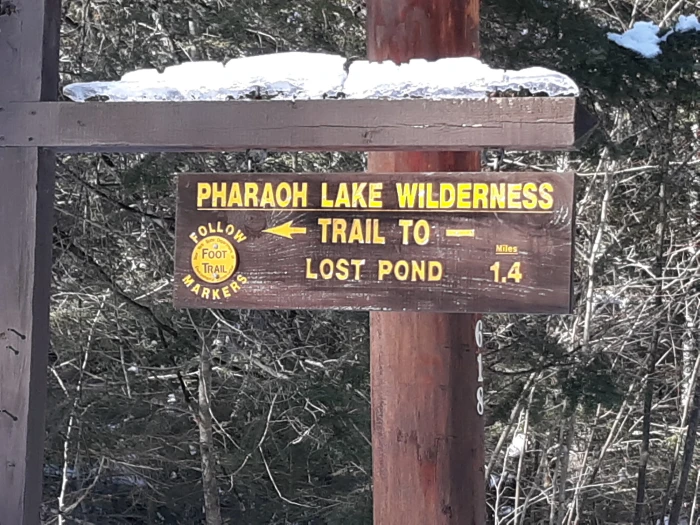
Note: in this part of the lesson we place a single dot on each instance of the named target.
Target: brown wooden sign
(520, 123)
(450, 242)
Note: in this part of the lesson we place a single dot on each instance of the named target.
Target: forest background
(278, 430)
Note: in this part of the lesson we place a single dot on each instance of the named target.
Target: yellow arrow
(286, 230)
(460, 233)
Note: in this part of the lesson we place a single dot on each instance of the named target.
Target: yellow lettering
(326, 268)
(310, 274)
(430, 203)
(251, 195)
(299, 192)
(324, 223)
(218, 194)
(205, 293)
(195, 289)
(405, 224)
(417, 271)
(546, 196)
(506, 248)
(447, 196)
(325, 201)
(343, 196)
(194, 237)
(202, 230)
(340, 227)
(384, 269)
(226, 292)
(342, 271)
(421, 233)
(375, 194)
(357, 264)
(514, 196)
(434, 270)
(497, 197)
(356, 231)
(215, 294)
(406, 193)
(529, 196)
(203, 193)
(283, 194)
(188, 280)
(401, 270)
(358, 199)
(481, 192)
(268, 196)
(242, 279)
(410, 270)
(239, 237)
(234, 287)
(377, 238)
(234, 196)
(464, 195)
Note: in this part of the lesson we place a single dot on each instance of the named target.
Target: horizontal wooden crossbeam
(537, 123)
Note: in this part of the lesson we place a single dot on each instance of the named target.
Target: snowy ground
(299, 75)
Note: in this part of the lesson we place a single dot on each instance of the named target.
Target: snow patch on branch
(300, 75)
(643, 37)
(687, 23)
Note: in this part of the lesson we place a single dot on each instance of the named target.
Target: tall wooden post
(427, 427)
(29, 64)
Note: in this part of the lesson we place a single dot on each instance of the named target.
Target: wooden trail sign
(451, 242)
(423, 365)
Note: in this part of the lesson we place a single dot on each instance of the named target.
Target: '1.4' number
(513, 273)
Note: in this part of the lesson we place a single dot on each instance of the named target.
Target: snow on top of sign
(643, 37)
(297, 75)
(449, 78)
(301, 75)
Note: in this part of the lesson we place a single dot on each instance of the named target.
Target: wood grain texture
(282, 272)
(29, 65)
(427, 437)
(537, 123)
(427, 434)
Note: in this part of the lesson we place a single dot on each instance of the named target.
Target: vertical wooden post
(427, 425)
(29, 34)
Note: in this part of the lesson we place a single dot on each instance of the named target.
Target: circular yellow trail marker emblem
(214, 259)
